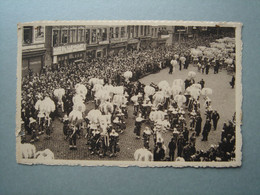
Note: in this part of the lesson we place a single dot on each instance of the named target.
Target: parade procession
(129, 93)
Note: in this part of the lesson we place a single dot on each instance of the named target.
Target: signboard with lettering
(115, 45)
(33, 47)
(131, 41)
(104, 42)
(69, 49)
(165, 36)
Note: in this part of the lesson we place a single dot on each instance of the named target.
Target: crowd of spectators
(111, 69)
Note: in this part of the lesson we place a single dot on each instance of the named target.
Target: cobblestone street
(223, 100)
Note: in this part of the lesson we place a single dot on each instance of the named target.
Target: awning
(33, 53)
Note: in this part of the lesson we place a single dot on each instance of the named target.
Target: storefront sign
(69, 49)
(104, 42)
(115, 45)
(132, 41)
(165, 36)
(33, 47)
(118, 40)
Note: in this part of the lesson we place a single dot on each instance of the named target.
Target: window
(104, 34)
(152, 32)
(99, 31)
(94, 35)
(80, 35)
(128, 31)
(55, 38)
(155, 33)
(27, 34)
(149, 30)
(142, 30)
(64, 36)
(136, 31)
(132, 31)
(73, 35)
(87, 36)
(117, 32)
(123, 32)
(112, 32)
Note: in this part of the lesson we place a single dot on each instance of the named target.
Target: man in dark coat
(207, 67)
(232, 82)
(171, 68)
(215, 117)
(187, 62)
(172, 147)
(186, 134)
(159, 152)
(180, 65)
(202, 83)
(180, 143)
(187, 83)
(188, 151)
(198, 124)
(206, 130)
(216, 68)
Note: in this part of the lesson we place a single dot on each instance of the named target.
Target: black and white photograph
(129, 93)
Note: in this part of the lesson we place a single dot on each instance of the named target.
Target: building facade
(47, 46)
(33, 49)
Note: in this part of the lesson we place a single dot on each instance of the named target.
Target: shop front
(63, 55)
(63, 60)
(32, 61)
(133, 44)
(101, 52)
(145, 42)
(161, 42)
(95, 52)
(116, 48)
(90, 54)
(154, 42)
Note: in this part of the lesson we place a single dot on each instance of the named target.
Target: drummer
(124, 109)
(146, 107)
(95, 145)
(138, 125)
(72, 137)
(114, 139)
(193, 115)
(181, 121)
(174, 119)
(146, 137)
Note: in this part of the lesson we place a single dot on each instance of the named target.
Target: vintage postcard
(129, 93)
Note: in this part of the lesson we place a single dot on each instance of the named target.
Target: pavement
(223, 100)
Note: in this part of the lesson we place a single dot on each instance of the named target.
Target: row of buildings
(50, 45)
